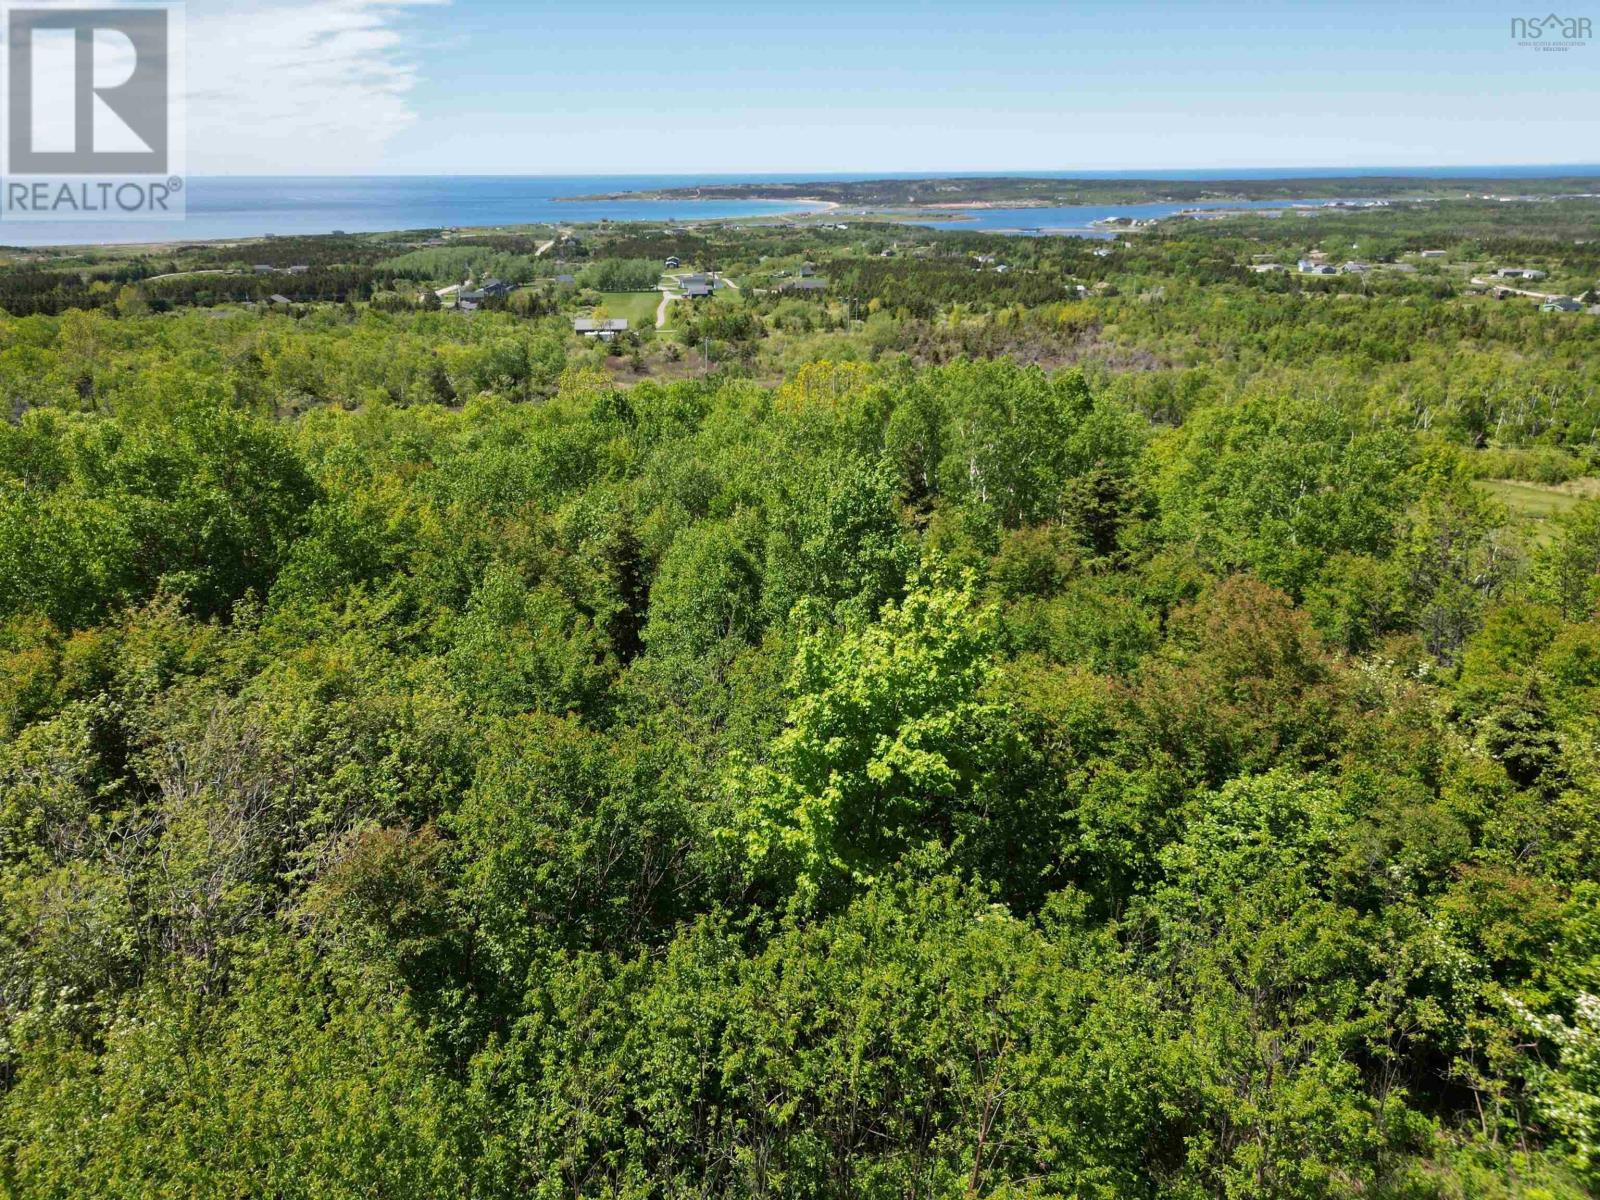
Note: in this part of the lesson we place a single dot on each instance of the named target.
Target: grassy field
(638, 308)
(1536, 504)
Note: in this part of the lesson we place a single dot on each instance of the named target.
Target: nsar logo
(1551, 32)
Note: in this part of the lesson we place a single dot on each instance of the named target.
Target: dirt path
(661, 309)
(1515, 291)
(542, 250)
(181, 274)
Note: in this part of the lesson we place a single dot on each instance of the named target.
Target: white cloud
(287, 87)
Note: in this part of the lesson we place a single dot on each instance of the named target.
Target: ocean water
(252, 206)
(1078, 220)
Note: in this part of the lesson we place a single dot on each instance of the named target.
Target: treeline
(54, 292)
(621, 274)
(1510, 231)
(335, 284)
(922, 287)
(270, 363)
(458, 263)
(328, 250)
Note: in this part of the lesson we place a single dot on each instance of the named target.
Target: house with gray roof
(605, 329)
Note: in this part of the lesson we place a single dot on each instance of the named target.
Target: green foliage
(571, 839)
(1275, 487)
(837, 538)
(890, 737)
(517, 649)
(1567, 571)
(621, 275)
(95, 515)
(707, 590)
(300, 1084)
(1568, 1091)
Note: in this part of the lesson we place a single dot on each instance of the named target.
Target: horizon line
(956, 172)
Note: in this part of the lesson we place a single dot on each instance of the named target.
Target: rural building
(1519, 273)
(1356, 268)
(1263, 268)
(673, 261)
(1561, 304)
(605, 329)
(1430, 254)
(697, 291)
(805, 285)
(492, 289)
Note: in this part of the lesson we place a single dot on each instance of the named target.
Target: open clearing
(639, 308)
(1535, 504)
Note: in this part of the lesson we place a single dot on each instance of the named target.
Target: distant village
(1497, 285)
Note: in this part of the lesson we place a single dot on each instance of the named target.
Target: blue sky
(701, 86)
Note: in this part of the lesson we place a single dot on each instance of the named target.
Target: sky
(707, 86)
